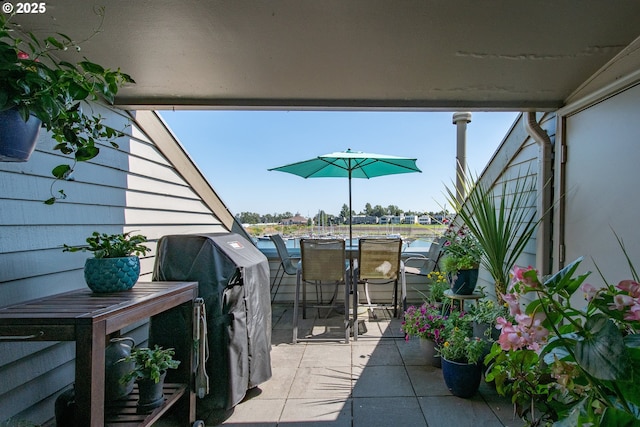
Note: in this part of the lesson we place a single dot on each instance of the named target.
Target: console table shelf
(88, 319)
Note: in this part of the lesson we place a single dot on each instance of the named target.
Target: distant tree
(394, 210)
(248, 217)
(344, 212)
(368, 210)
(378, 211)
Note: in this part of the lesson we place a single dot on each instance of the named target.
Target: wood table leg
(89, 384)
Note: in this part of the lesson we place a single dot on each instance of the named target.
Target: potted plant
(502, 225)
(115, 266)
(568, 366)
(426, 322)
(437, 287)
(149, 371)
(483, 315)
(41, 90)
(461, 354)
(462, 258)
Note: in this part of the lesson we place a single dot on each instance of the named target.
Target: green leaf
(77, 92)
(561, 279)
(602, 352)
(614, 417)
(50, 201)
(86, 153)
(55, 42)
(91, 67)
(60, 171)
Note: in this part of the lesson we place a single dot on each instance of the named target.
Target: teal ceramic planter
(111, 274)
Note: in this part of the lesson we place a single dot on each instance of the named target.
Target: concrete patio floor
(378, 380)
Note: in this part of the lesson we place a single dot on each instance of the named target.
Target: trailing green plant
(567, 365)
(459, 343)
(149, 363)
(486, 310)
(462, 250)
(502, 222)
(35, 82)
(112, 245)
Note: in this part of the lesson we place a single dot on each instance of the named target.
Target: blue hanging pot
(17, 137)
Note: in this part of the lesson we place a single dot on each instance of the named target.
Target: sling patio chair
(323, 266)
(288, 264)
(421, 265)
(379, 263)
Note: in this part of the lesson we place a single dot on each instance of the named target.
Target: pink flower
(529, 332)
(620, 301)
(513, 303)
(518, 274)
(23, 55)
(589, 290)
(631, 287)
(634, 312)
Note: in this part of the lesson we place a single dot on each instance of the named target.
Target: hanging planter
(17, 137)
(35, 82)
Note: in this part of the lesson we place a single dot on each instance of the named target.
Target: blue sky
(234, 149)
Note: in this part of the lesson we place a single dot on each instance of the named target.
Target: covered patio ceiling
(423, 54)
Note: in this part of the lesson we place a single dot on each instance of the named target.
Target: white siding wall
(133, 188)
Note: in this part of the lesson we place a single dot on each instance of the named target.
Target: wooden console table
(88, 319)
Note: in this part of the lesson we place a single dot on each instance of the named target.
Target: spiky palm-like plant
(502, 222)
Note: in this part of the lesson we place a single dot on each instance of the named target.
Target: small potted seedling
(150, 369)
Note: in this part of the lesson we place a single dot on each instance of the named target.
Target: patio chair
(322, 265)
(421, 265)
(288, 264)
(378, 264)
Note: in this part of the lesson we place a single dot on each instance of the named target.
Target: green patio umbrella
(350, 164)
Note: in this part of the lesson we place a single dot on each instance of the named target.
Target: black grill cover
(233, 280)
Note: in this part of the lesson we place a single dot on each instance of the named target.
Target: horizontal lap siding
(132, 188)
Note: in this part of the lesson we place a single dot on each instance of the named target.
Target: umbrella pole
(352, 273)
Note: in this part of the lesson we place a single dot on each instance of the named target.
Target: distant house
(396, 219)
(365, 219)
(424, 220)
(411, 219)
(295, 220)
